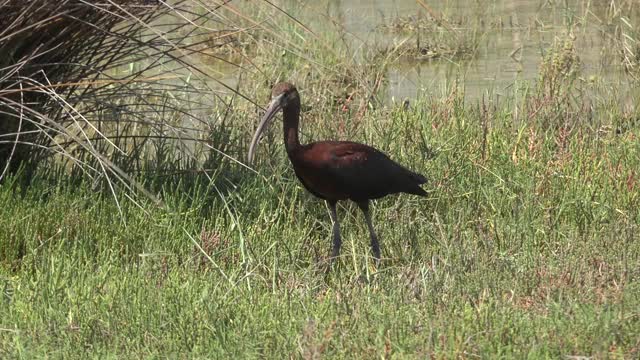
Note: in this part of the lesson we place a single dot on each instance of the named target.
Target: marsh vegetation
(140, 232)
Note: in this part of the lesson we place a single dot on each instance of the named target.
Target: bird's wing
(344, 156)
(363, 169)
(354, 170)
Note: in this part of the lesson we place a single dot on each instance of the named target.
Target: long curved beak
(274, 106)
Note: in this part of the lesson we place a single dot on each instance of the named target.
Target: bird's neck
(291, 117)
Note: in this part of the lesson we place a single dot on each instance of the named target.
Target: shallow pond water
(512, 38)
(509, 39)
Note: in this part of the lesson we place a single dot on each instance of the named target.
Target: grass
(525, 247)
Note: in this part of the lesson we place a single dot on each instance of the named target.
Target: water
(513, 37)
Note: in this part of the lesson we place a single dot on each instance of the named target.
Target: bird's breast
(320, 183)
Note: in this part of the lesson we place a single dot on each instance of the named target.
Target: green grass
(526, 246)
(528, 249)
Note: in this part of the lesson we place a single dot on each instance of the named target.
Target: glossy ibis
(337, 170)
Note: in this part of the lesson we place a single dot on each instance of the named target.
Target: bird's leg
(337, 241)
(375, 246)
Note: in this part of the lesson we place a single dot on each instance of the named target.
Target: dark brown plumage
(337, 170)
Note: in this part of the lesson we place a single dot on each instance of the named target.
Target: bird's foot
(330, 262)
(326, 264)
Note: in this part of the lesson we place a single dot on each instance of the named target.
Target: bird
(336, 170)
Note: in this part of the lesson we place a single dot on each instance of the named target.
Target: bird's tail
(419, 179)
(414, 184)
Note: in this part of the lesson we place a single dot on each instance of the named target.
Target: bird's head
(282, 95)
(285, 92)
